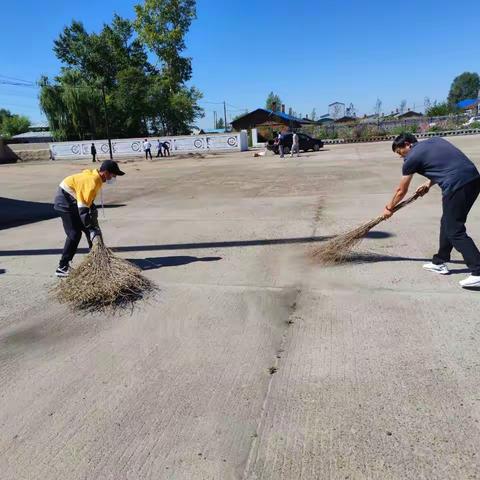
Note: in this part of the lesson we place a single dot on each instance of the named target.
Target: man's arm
(399, 195)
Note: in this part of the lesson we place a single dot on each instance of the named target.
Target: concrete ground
(250, 362)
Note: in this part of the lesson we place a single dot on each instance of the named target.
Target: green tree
(11, 125)
(220, 123)
(72, 106)
(110, 62)
(438, 109)
(162, 26)
(313, 115)
(273, 102)
(464, 86)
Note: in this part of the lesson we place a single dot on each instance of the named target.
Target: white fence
(134, 146)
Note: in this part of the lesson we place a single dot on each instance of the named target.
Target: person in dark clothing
(166, 149)
(74, 202)
(159, 148)
(93, 151)
(445, 165)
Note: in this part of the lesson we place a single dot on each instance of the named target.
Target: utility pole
(225, 114)
(214, 119)
(106, 121)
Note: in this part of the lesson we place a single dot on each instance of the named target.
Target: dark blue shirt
(441, 162)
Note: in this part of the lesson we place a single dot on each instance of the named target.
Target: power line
(18, 84)
(15, 78)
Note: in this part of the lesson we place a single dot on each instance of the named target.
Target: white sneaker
(442, 269)
(62, 272)
(471, 281)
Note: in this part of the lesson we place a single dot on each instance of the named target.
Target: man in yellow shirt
(74, 202)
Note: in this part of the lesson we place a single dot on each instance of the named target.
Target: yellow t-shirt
(83, 187)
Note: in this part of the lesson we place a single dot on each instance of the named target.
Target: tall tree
(313, 115)
(111, 62)
(466, 85)
(162, 26)
(220, 123)
(273, 102)
(378, 107)
(403, 106)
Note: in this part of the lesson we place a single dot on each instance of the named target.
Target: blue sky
(310, 52)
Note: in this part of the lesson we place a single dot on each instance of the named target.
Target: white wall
(134, 146)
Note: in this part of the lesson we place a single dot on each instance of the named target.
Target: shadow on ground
(367, 257)
(175, 246)
(379, 234)
(152, 263)
(22, 212)
(200, 245)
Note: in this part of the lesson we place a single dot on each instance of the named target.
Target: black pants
(147, 153)
(453, 234)
(73, 226)
(159, 153)
(93, 157)
(166, 152)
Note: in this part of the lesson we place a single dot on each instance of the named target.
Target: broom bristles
(339, 248)
(103, 280)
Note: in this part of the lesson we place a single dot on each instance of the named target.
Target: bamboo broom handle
(405, 202)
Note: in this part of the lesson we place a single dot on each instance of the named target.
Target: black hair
(402, 139)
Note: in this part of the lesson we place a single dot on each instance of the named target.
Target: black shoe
(62, 272)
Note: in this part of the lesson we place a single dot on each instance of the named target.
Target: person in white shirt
(295, 145)
(147, 148)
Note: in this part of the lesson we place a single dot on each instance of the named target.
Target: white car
(471, 120)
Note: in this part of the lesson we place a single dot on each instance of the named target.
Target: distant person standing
(159, 148)
(147, 148)
(166, 149)
(93, 151)
(281, 143)
(295, 145)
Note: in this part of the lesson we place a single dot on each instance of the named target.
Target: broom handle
(405, 202)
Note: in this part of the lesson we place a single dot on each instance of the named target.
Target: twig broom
(102, 280)
(339, 247)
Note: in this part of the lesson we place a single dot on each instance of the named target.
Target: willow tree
(72, 107)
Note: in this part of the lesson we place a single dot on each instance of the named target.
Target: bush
(440, 109)
(404, 129)
(474, 125)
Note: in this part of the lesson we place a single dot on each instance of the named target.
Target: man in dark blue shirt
(445, 165)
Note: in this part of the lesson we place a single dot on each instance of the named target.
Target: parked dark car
(306, 143)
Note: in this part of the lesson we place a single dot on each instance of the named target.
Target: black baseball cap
(111, 167)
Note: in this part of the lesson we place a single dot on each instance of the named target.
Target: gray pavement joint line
(254, 446)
